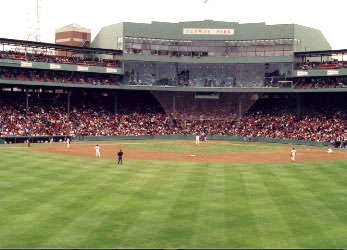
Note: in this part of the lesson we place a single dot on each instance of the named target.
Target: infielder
(330, 150)
(68, 143)
(97, 151)
(292, 154)
(197, 140)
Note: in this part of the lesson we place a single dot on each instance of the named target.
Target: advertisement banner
(111, 70)
(195, 31)
(82, 68)
(26, 64)
(332, 72)
(301, 73)
(54, 66)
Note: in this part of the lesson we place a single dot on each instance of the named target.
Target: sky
(17, 15)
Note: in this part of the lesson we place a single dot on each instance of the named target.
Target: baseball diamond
(202, 134)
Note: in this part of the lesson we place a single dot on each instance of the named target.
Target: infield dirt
(110, 151)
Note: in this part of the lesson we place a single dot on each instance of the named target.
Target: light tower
(33, 19)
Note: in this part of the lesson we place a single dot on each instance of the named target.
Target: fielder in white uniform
(97, 151)
(197, 140)
(68, 143)
(292, 154)
(330, 150)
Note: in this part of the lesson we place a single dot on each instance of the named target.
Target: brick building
(74, 35)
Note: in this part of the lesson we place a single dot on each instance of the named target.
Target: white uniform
(68, 143)
(330, 150)
(293, 153)
(97, 151)
(197, 140)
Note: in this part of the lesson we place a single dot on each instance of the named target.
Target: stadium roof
(32, 44)
(321, 53)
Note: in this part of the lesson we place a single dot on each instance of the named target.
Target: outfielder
(97, 151)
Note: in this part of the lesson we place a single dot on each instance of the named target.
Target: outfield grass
(188, 146)
(51, 201)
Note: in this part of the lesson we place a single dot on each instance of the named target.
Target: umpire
(120, 157)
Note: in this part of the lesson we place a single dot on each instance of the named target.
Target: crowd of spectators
(322, 125)
(316, 126)
(321, 83)
(58, 76)
(324, 65)
(41, 57)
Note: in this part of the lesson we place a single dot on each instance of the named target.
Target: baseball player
(292, 154)
(68, 143)
(120, 157)
(197, 140)
(330, 150)
(97, 151)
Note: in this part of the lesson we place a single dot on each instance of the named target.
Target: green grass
(56, 201)
(210, 147)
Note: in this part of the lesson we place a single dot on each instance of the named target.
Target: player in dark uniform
(120, 157)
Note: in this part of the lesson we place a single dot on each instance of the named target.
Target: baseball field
(172, 194)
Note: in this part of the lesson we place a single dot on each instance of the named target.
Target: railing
(321, 65)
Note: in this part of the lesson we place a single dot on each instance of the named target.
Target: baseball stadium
(233, 136)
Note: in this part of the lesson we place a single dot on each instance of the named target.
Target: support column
(298, 105)
(27, 101)
(174, 104)
(115, 104)
(240, 107)
(68, 102)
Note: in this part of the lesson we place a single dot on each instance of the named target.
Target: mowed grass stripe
(113, 220)
(306, 227)
(156, 218)
(53, 208)
(114, 229)
(210, 225)
(240, 226)
(39, 173)
(271, 224)
(183, 214)
(110, 182)
(160, 194)
(329, 206)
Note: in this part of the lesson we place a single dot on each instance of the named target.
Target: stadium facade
(208, 53)
(194, 71)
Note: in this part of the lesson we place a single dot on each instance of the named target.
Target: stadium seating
(13, 55)
(265, 119)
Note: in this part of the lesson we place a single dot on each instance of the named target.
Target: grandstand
(252, 92)
(210, 78)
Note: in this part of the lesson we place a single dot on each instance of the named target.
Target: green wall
(177, 137)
